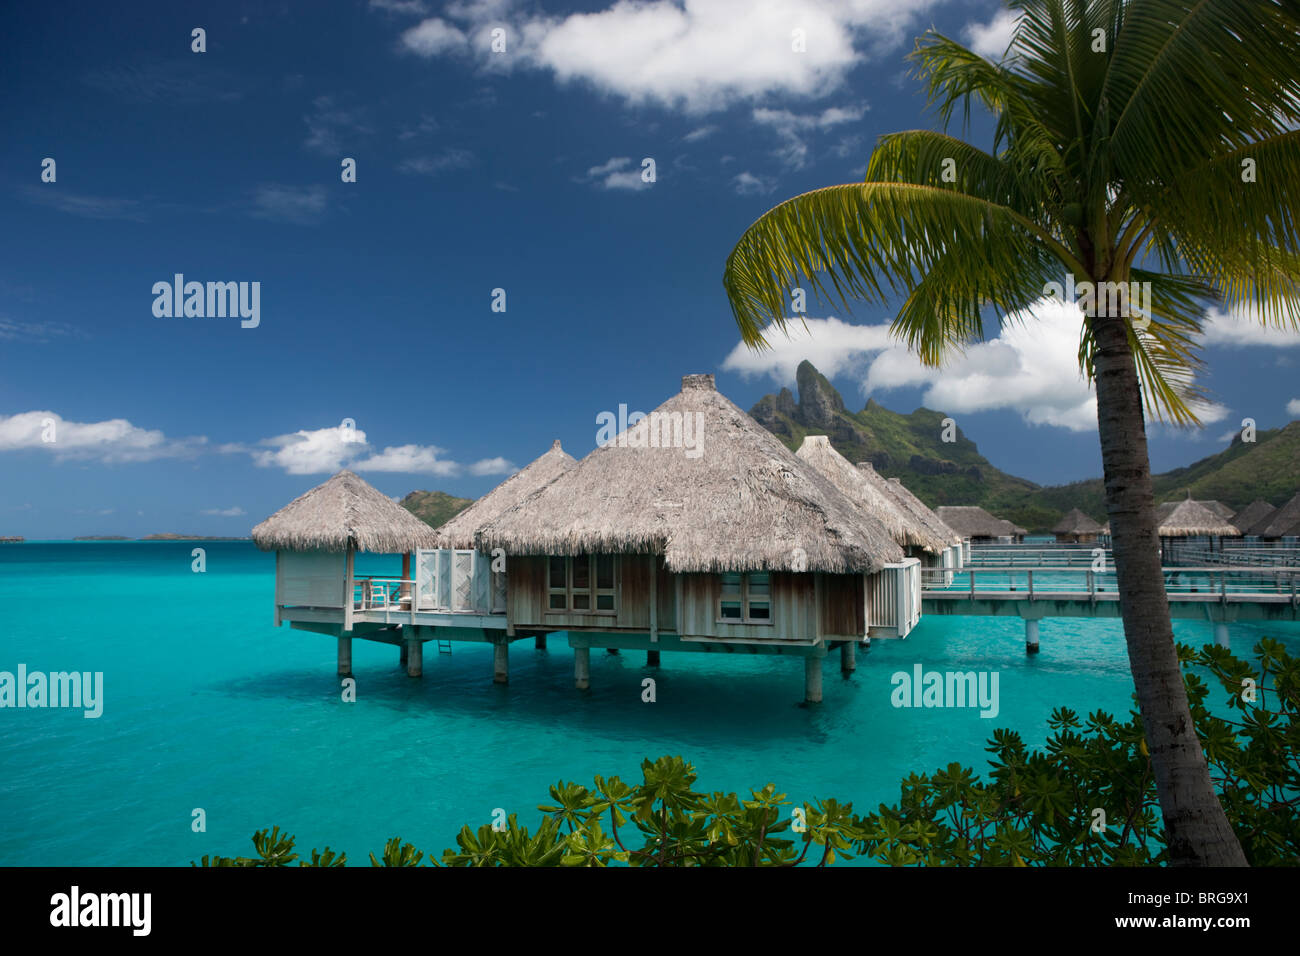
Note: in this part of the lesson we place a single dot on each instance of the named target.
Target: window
(745, 598)
(584, 583)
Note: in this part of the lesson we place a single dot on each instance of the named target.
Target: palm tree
(1150, 141)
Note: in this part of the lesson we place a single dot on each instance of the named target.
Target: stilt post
(345, 656)
(501, 663)
(812, 679)
(582, 667)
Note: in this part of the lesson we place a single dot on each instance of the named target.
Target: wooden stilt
(1221, 634)
(539, 642)
(582, 667)
(652, 658)
(401, 659)
(414, 657)
(1031, 637)
(345, 656)
(501, 663)
(812, 679)
(848, 658)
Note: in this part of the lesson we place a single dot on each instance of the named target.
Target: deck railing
(1181, 583)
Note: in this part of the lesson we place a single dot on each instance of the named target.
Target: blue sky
(476, 170)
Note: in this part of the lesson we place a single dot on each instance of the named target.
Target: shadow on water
(691, 704)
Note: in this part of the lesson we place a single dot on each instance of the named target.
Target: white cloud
(616, 173)
(990, 40)
(233, 512)
(310, 452)
(327, 450)
(300, 205)
(697, 55)
(1244, 328)
(751, 184)
(1293, 407)
(493, 466)
(433, 37)
(831, 345)
(795, 129)
(112, 441)
(410, 459)
(328, 124)
(695, 135)
(412, 8)
(450, 158)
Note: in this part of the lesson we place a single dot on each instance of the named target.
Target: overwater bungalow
(1258, 512)
(726, 543)
(1190, 525)
(863, 486)
(459, 531)
(972, 521)
(923, 513)
(316, 538)
(1076, 528)
(1282, 524)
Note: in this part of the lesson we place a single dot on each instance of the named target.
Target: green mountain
(434, 507)
(911, 448)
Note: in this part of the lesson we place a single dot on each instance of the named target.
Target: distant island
(13, 539)
(151, 537)
(435, 508)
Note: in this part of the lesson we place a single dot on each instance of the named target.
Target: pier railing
(1061, 556)
(1257, 556)
(1181, 583)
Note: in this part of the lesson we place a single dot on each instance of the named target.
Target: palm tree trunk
(1196, 828)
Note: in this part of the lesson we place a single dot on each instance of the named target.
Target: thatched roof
(459, 531)
(818, 451)
(1258, 512)
(732, 498)
(1282, 523)
(1219, 508)
(972, 521)
(344, 511)
(914, 505)
(1076, 522)
(1187, 519)
(865, 491)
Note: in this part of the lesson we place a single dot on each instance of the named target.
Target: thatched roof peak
(1076, 522)
(1282, 523)
(1188, 518)
(345, 511)
(915, 505)
(1258, 512)
(870, 492)
(972, 521)
(460, 530)
(726, 496)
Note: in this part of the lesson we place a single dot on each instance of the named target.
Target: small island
(12, 539)
(189, 537)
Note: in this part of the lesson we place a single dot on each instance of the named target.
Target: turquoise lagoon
(207, 705)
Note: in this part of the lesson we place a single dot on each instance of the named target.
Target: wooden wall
(804, 606)
(842, 607)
